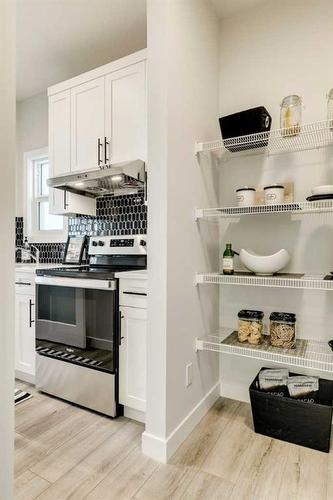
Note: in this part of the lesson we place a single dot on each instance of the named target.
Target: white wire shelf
(307, 282)
(298, 208)
(307, 354)
(311, 136)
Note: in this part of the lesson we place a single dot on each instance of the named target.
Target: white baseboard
(25, 377)
(138, 415)
(162, 449)
(235, 391)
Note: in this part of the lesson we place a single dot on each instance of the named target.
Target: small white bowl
(264, 264)
(325, 189)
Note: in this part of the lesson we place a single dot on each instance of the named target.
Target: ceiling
(227, 8)
(59, 39)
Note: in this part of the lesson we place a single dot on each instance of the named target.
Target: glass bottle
(291, 115)
(330, 108)
(228, 260)
(25, 254)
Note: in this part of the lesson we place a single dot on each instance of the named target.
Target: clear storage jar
(282, 329)
(250, 326)
(291, 115)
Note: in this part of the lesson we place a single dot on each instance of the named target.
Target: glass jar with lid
(250, 326)
(291, 115)
(330, 108)
(282, 330)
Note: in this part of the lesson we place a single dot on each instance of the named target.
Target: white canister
(274, 194)
(245, 196)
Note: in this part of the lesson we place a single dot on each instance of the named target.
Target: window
(41, 225)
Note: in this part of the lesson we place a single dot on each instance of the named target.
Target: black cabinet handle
(30, 313)
(99, 145)
(135, 293)
(145, 186)
(26, 283)
(65, 200)
(120, 317)
(106, 143)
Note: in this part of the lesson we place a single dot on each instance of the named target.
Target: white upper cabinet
(59, 133)
(99, 117)
(125, 113)
(87, 125)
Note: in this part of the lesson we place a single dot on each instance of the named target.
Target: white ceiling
(58, 39)
(227, 8)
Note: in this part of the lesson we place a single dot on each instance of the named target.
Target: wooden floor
(63, 452)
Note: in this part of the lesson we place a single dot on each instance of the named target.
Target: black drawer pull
(22, 283)
(135, 293)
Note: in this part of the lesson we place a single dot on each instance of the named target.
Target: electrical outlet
(189, 374)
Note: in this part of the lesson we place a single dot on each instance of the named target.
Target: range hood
(117, 178)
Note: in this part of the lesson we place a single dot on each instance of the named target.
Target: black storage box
(293, 420)
(250, 121)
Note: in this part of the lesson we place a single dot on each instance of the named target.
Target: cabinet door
(87, 125)
(125, 113)
(60, 133)
(132, 358)
(64, 203)
(25, 333)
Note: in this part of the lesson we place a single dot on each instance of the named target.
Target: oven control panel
(118, 245)
(124, 242)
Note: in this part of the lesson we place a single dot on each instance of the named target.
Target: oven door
(77, 341)
(60, 313)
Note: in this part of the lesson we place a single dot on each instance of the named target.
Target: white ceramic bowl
(325, 189)
(264, 264)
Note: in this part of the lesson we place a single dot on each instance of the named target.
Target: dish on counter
(264, 264)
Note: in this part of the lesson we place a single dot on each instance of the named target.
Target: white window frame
(34, 234)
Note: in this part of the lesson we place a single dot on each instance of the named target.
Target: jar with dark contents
(282, 330)
(250, 326)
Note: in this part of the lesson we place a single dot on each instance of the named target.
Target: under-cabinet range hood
(118, 178)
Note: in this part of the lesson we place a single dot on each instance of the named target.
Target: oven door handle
(109, 285)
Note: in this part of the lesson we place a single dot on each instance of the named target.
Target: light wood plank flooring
(65, 452)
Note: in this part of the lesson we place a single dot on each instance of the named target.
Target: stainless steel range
(78, 326)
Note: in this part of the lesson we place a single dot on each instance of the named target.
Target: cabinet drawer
(25, 283)
(133, 293)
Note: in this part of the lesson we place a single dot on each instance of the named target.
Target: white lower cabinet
(132, 358)
(25, 333)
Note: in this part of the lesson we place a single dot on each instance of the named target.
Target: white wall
(182, 107)
(7, 213)
(31, 133)
(268, 52)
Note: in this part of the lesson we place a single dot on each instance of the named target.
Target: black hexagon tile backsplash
(116, 215)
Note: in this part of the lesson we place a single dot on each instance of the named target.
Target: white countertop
(31, 268)
(142, 274)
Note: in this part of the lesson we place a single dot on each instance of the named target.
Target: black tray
(249, 121)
